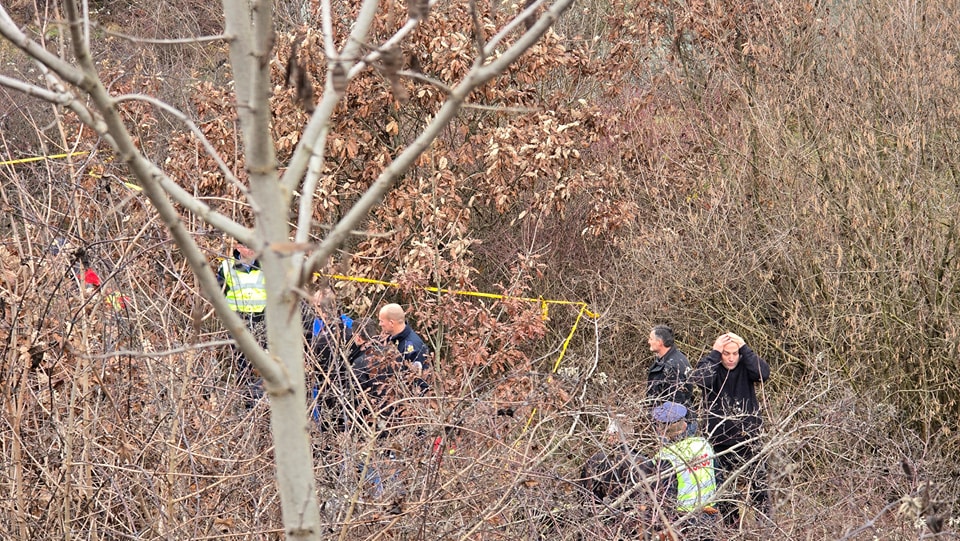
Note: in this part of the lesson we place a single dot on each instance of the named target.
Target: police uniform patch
(409, 348)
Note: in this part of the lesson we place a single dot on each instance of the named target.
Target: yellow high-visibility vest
(692, 460)
(246, 291)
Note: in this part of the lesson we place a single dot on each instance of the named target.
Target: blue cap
(669, 412)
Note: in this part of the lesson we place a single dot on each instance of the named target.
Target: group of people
(360, 358)
(728, 446)
(697, 459)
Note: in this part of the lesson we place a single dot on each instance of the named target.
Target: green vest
(692, 459)
(246, 291)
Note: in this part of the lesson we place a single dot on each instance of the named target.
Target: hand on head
(736, 339)
(727, 338)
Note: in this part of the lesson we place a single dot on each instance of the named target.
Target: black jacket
(731, 396)
(668, 379)
(372, 367)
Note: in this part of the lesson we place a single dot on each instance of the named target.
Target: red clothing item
(91, 278)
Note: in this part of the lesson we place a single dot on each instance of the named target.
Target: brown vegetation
(782, 170)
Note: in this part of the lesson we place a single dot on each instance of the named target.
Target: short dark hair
(665, 334)
(368, 329)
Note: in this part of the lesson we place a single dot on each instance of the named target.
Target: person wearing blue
(329, 335)
(728, 376)
(329, 331)
(686, 463)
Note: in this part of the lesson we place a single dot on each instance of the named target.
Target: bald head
(392, 319)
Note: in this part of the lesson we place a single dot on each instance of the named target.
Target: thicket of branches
(782, 170)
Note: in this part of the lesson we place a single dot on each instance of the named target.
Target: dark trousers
(250, 384)
(729, 461)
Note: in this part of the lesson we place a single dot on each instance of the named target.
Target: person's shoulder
(409, 335)
(676, 357)
(415, 336)
(699, 440)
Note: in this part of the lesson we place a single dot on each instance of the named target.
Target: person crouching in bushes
(686, 465)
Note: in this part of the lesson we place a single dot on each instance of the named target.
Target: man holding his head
(728, 376)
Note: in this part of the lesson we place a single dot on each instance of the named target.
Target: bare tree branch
(60, 98)
(477, 77)
(211, 151)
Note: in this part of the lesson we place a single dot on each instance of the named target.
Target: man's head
(660, 340)
(730, 355)
(325, 302)
(392, 319)
(365, 331)
(241, 252)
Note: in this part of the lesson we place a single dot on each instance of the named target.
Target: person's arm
(757, 368)
(686, 372)
(221, 279)
(702, 375)
(361, 370)
(416, 351)
(675, 380)
(308, 320)
(684, 387)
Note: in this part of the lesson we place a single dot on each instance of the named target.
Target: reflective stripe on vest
(692, 459)
(246, 291)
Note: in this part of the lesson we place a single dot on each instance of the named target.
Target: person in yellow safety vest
(243, 284)
(687, 460)
(116, 300)
(245, 289)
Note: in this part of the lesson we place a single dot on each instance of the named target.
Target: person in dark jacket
(328, 330)
(328, 335)
(371, 368)
(728, 376)
(413, 353)
(367, 358)
(667, 379)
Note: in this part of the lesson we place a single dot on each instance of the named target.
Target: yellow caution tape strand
(525, 426)
(563, 350)
(544, 302)
(40, 158)
(130, 185)
(556, 365)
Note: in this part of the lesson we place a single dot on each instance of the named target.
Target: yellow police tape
(39, 158)
(130, 185)
(544, 304)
